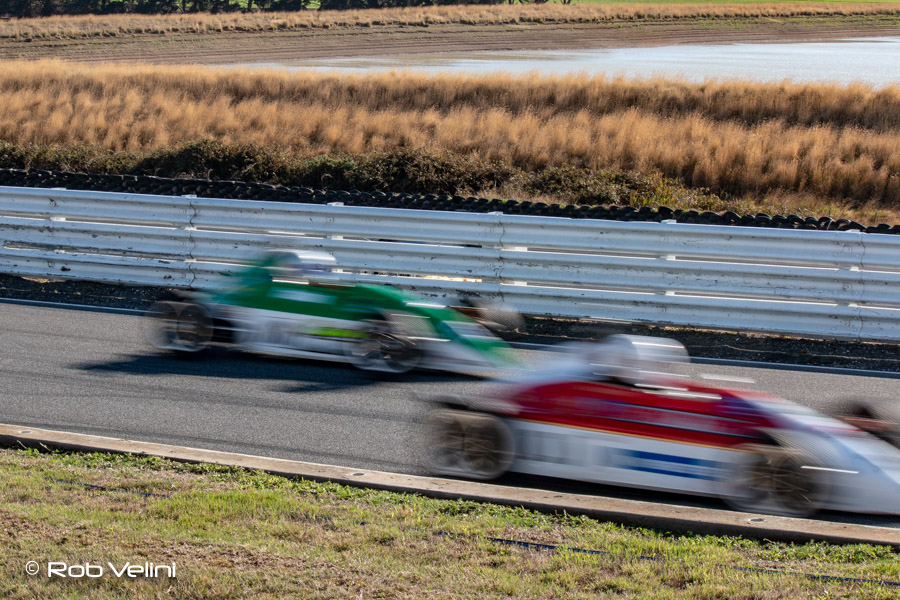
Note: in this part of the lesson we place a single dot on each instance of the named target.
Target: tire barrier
(242, 190)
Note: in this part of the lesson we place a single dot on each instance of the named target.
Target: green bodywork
(258, 286)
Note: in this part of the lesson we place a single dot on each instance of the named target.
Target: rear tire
(185, 328)
(469, 444)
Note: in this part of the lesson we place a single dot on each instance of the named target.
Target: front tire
(880, 417)
(385, 350)
(777, 480)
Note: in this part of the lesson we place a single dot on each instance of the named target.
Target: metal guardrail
(843, 285)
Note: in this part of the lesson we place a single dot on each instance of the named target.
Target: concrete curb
(629, 512)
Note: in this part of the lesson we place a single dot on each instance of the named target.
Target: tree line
(45, 8)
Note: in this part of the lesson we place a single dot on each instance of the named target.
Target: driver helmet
(634, 359)
(312, 266)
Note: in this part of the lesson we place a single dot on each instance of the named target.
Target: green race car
(293, 303)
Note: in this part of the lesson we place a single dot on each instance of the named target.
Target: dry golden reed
(101, 25)
(743, 138)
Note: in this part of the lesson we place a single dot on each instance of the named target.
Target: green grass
(234, 533)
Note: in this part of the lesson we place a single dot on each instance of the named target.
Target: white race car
(606, 414)
(291, 303)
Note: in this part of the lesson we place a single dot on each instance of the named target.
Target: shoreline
(397, 40)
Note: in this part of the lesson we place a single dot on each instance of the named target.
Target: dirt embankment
(352, 42)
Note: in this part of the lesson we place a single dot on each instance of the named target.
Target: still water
(875, 61)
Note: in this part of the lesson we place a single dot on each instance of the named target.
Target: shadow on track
(306, 374)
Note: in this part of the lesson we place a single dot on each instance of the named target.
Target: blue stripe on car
(696, 468)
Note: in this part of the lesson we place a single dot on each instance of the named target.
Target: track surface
(92, 372)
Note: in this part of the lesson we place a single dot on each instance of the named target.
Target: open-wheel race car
(605, 413)
(294, 304)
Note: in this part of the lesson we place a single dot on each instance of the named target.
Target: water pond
(873, 61)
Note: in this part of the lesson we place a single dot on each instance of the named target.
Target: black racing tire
(497, 317)
(185, 328)
(469, 444)
(880, 417)
(385, 350)
(777, 480)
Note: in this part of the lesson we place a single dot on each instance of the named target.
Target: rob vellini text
(132, 571)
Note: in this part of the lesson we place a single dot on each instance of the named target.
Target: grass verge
(233, 533)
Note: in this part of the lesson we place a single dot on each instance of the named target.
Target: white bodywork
(291, 334)
(864, 478)
(600, 457)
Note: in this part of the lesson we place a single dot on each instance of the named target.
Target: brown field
(746, 140)
(104, 25)
(809, 149)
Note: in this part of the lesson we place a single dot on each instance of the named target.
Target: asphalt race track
(92, 372)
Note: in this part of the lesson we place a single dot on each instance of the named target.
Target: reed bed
(738, 139)
(750, 103)
(106, 25)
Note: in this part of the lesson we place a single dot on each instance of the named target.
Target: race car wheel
(880, 417)
(474, 445)
(777, 480)
(182, 327)
(385, 350)
(497, 317)
(447, 433)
